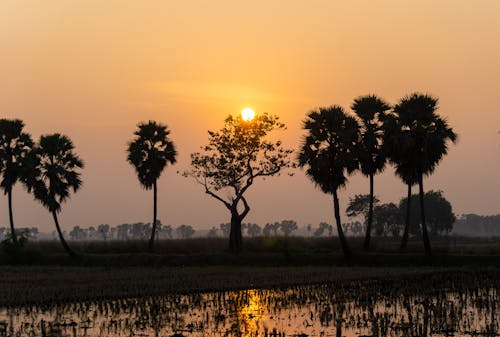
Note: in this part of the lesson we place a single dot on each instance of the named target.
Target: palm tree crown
(329, 147)
(14, 148)
(56, 171)
(371, 111)
(150, 152)
(418, 137)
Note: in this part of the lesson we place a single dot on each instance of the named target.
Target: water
(360, 309)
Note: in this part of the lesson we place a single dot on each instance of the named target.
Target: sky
(93, 69)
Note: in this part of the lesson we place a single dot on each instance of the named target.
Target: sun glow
(247, 114)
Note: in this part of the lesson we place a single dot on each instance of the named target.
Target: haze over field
(92, 70)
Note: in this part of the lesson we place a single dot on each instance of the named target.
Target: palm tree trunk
(404, 240)
(153, 231)
(343, 241)
(425, 235)
(370, 217)
(11, 217)
(70, 252)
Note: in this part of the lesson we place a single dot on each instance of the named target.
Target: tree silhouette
(329, 152)
(361, 204)
(235, 156)
(55, 174)
(438, 212)
(149, 153)
(372, 156)
(388, 219)
(417, 139)
(288, 226)
(15, 146)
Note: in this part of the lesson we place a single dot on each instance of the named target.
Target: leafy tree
(15, 146)
(253, 230)
(271, 229)
(388, 219)
(360, 205)
(122, 231)
(185, 231)
(212, 233)
(163, 231)
(323, 226)
(288, 226)
(418, 139)
(355, 227)
(103, 230)
(77, 233)
(329, 152)
(372, 155)
(225, 228)
(140, 230)
(149, 153)
(439, 214)
(235, 156)
(55, 174)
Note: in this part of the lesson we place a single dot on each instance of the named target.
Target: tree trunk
(343, 241)
(235, 237)
(404, 240)
(70, 252)
(153, 230)
(370, 217)
(425, 235)
(11, 217)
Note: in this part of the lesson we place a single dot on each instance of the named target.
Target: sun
(247, 114)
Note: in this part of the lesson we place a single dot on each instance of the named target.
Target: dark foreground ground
(23, 285)
(41, 273)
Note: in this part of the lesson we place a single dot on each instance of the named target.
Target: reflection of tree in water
(361, 308)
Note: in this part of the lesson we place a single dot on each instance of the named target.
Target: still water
(322, 310)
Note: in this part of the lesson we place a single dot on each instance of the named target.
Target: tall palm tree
(56, 173)
(418, 139)
(371, 112)
(150, 152)
(329, 152)
(15, 146)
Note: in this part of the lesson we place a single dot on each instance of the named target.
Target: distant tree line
(478, 225)
(409, 135)
(389, 218)
(134, 231)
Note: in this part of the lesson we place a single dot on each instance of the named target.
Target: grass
(261, 251)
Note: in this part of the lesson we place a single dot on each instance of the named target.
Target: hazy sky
(94, 69)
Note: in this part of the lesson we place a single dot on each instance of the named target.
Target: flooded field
(358, 309)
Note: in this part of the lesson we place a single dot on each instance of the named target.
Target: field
(41, 272)
(261, 251)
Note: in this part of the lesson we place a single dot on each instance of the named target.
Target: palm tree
(372, 155)
(400, 147)
(149, 153)
(418, 139)
(15, 146)
(55, 175)
(329, 152)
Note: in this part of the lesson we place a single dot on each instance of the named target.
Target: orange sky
(93, 69)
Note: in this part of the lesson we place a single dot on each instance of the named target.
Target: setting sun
(247, 114)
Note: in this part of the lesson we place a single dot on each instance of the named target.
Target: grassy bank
(23, 285)
(263, 251)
